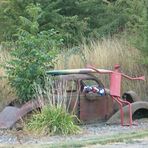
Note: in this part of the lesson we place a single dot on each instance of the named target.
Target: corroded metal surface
(88, 107)
(11, 114)
(8, 116)
(136, 106)
(74, 71)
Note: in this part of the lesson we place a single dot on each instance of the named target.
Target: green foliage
(136, 16)
(74, 19)
(52, 120)
(78, 19)
(9, 17)
(141, 28)
(34, 53)
(100, 18)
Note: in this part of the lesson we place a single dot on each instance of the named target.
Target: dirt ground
(15, 138)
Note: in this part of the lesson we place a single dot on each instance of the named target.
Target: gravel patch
(88, 131)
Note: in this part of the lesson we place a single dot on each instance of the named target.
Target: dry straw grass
(57, 115)
(6, 92)
(104, 54)
(55, 94)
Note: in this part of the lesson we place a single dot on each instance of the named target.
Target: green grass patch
(52, 120)
(102, 140)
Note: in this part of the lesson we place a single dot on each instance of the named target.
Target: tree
(33, 55)
(74, 19)
(136, 24)
(9, 17)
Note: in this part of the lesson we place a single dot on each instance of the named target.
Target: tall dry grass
(105, 54)
(56, 115)
(102, 54)
(6, 92)
(57, 93)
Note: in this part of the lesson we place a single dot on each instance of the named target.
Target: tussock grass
(105, 54)
(52, 120)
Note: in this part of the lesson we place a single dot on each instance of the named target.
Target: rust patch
(8, 117)
(12, 114)
(115, 119)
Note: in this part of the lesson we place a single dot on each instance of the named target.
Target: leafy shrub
(136, 22)
(34, 53)
(52, 120)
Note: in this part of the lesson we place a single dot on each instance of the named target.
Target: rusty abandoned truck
(85, 94)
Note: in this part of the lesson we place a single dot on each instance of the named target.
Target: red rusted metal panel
(95, 110)
(89, 107)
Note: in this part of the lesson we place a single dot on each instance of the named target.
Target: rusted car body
(89, 107)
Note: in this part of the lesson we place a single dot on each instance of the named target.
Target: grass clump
(52, 120)
(54, 117)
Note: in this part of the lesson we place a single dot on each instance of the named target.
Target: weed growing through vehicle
(54, 117)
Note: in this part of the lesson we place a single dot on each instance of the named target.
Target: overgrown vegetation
(104, 54)
(74, 19)
(34, 53)
(78, 19)
(55, 116)
(136, 26)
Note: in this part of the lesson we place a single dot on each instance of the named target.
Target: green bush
(52, 120)
(74, 18)
(34, 53)
(136, 24)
